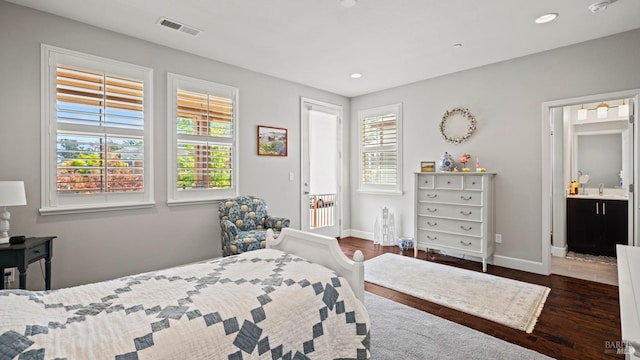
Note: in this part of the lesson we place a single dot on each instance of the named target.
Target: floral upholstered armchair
(244, 221)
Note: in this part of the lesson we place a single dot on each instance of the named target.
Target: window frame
(53, 203)
(383, 189)
(197, 196)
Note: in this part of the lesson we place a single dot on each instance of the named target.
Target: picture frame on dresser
(427, 166)
(455, 213)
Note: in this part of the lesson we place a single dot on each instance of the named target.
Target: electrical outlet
(10, 275)
(498, 238)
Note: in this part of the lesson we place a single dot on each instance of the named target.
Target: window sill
(172, 203)
(380, 192)
(96, 208)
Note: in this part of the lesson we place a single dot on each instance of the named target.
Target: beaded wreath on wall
(471, 126)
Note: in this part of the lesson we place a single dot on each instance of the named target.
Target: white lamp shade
(582, 114)
(12, 193)
(623, 110)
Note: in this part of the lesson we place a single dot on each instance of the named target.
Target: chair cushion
(246, 212)
(249, 240)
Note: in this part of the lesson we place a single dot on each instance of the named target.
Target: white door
(321, 167)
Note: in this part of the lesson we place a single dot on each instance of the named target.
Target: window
(202, 140)
(381, 149)
(97, 151)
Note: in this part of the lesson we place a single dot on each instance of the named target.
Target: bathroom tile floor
(606, 273)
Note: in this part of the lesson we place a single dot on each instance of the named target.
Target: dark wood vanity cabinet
(595, 226)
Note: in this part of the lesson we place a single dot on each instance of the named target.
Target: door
(321, 167)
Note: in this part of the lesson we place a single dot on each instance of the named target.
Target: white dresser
(455, 213)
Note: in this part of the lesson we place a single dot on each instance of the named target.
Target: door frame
(547, 167)
(304, 198)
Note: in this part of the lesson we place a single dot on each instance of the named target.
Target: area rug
(601, 259)
(509, 302)
(402, 332)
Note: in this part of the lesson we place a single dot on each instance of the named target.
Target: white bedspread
(262, 304)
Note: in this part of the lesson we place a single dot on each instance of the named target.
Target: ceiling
(319, 43)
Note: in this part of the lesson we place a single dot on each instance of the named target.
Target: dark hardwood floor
(579, 319)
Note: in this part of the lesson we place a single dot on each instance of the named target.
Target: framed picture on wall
(427, 166)
(272, 141)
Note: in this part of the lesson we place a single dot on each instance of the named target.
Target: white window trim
(197, 196)
(49, 200)
(381, 189)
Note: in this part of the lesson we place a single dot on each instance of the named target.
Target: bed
(300, 298)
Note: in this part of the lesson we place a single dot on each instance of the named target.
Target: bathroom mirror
(599, 155)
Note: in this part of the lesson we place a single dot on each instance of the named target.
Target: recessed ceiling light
(546, 18)
(599, 6)
(456, 46)
(356, 75)
(348, 3)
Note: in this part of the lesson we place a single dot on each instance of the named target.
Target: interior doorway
(321, 167)
(584, 139)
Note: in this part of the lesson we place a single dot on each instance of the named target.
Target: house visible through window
(202, 141)
(380, 149)
(98, 151)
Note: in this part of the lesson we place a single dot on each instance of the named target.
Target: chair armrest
(277, 223)
(229, 231)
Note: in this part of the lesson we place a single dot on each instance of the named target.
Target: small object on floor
(405, 243)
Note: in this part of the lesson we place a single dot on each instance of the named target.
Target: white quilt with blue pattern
(263, 304)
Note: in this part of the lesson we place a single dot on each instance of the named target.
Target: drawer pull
(36, 251)
(465, 213)
(448, 181)
(466, 198)
(432, 196)
(466, 244)
(431, 210)
(473, 183)
(426, 181)
(465, 228)
(432, 238)
(432, 224)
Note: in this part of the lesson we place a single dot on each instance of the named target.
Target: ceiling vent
(172, 24)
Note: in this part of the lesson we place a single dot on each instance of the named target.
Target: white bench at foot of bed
(322, 250)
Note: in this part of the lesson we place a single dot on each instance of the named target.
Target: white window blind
(93, 155)
(202, 140)
(97, 130)
(380, 149)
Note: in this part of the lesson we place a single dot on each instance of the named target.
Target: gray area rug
(402, 332)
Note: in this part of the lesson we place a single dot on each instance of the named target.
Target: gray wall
(506, 99)
(98, 246)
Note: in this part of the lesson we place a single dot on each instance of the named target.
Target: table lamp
(11, 194)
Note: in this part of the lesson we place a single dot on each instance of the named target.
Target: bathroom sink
(604, 196)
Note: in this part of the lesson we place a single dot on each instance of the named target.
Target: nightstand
(21, 255)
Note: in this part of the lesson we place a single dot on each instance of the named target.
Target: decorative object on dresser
(454, 213)
(457, 125)
(513, 303)
(427, 166)
(11, 194)
(446, 162)
(22, 254)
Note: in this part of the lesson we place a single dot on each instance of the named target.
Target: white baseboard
(559, 251)
(360, 234)
(519, 264)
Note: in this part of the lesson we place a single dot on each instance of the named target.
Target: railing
(322, 210)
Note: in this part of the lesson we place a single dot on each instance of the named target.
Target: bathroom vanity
(596, 223)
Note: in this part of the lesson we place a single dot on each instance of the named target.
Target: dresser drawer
(469, 228)
(472, 182)
(436, 240)
(461, 212)
(449, 182)
(451, 197)
(425, 181)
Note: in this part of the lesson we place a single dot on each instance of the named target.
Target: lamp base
(4, 240)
